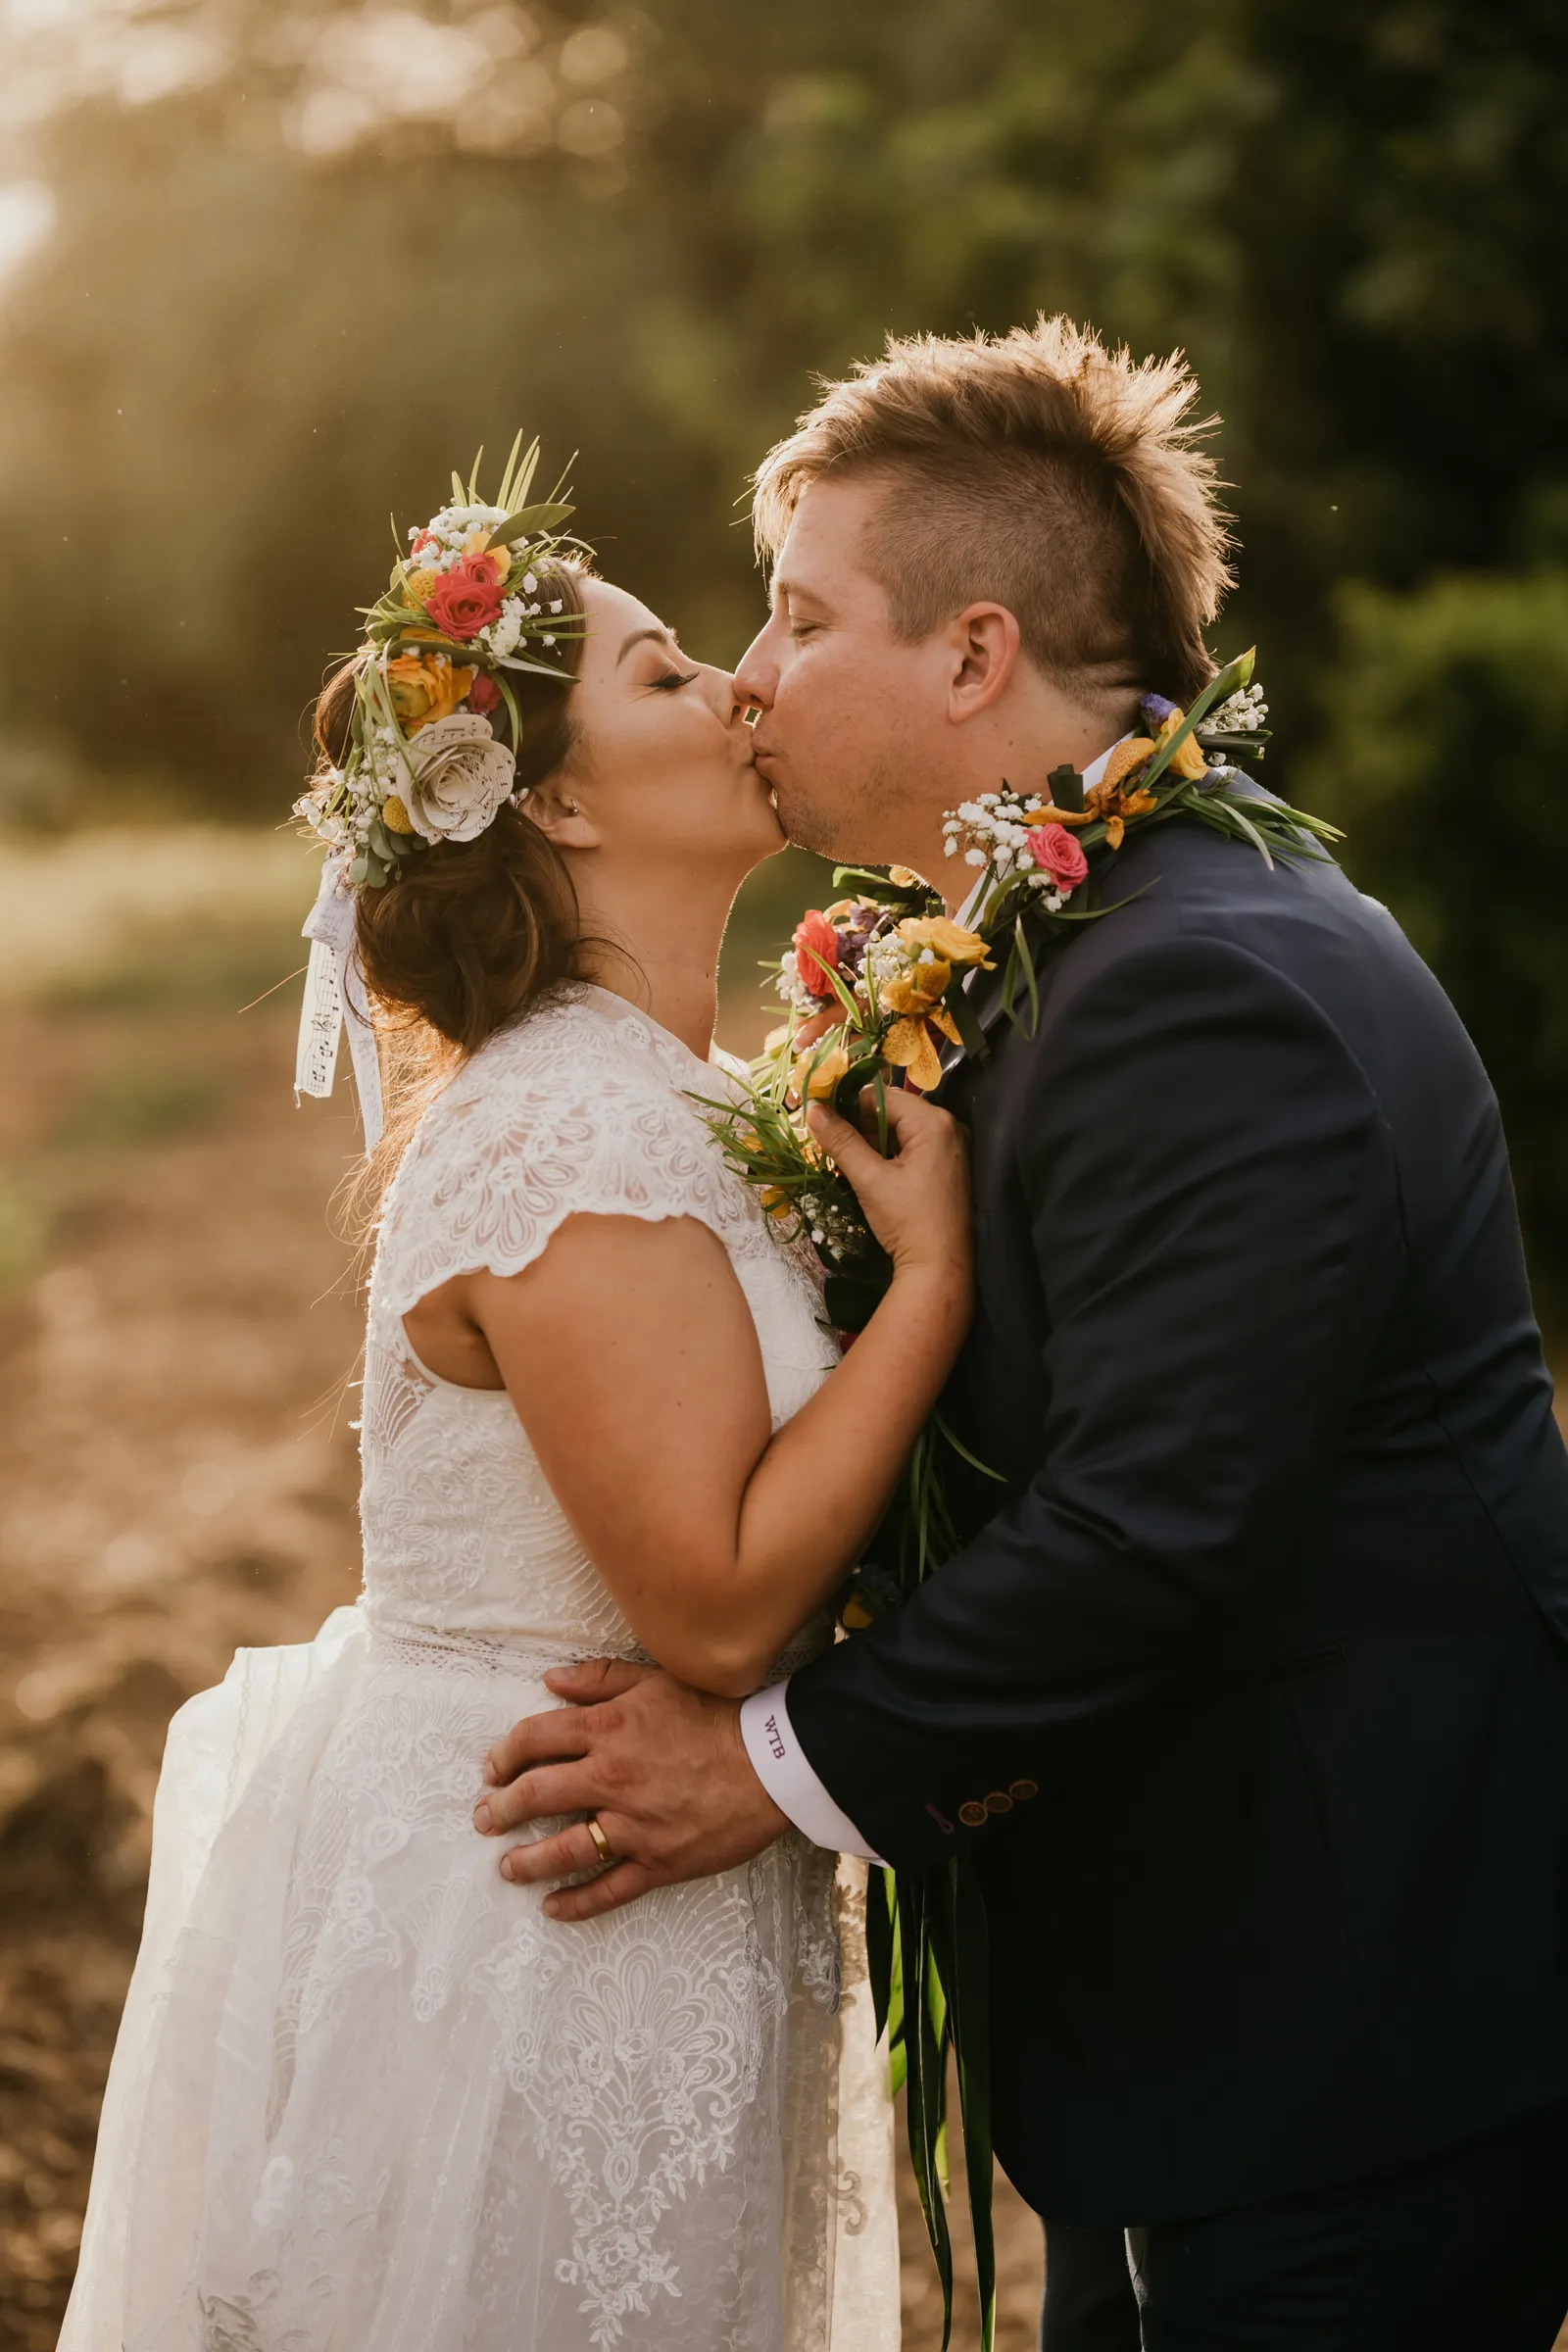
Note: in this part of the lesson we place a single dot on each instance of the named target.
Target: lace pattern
(366, 2094)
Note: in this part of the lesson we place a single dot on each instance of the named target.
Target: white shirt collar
(1092, 775)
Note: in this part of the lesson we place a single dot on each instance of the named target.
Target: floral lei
(435, 728)
(875, 987)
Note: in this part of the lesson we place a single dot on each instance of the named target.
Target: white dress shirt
(777, 1757)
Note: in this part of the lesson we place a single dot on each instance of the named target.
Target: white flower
(453, 777)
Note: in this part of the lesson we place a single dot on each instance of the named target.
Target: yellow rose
(815, 1075)
(944, 938)
(425, 687)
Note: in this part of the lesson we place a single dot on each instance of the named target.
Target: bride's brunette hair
(472, 932)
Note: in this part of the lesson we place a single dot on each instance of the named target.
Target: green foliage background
(246, 340)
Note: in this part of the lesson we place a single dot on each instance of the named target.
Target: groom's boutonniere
(1034, 856)
(875, 987)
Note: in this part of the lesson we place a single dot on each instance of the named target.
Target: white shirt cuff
(780, 1763)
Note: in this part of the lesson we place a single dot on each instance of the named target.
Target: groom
(1248, 1691)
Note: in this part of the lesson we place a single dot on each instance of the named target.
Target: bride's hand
(916, 1202)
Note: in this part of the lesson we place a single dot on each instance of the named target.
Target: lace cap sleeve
(571, 1114)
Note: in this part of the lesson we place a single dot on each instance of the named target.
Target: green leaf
(532, 520)
(1027, 962)
(967, 1020)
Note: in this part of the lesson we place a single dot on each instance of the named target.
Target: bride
(368, 2092)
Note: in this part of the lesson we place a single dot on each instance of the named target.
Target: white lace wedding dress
(366, 2096)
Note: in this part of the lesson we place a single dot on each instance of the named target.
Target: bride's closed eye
(672, 679)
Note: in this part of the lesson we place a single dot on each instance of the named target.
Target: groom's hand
(662, 1768)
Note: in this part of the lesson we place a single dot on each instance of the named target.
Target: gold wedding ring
(606, 1851)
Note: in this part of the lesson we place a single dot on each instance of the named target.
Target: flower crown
(434, 733)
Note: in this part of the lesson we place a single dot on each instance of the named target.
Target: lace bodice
(583, 1106)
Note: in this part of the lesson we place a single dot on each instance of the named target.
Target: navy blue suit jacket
(1251, 1699)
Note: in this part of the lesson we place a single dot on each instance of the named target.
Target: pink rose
(467, 599)
(1056, 854)
(484, 694)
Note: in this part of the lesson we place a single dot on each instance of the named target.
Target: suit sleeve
(1213, 1221)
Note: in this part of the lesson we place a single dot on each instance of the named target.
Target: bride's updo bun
(474, 931)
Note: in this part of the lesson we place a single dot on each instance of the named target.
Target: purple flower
(1156, 710)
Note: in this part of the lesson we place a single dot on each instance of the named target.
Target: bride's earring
(571, 808)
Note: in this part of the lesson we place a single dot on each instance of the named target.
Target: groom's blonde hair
(1039, 470)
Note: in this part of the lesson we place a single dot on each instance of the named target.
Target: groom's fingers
(843, 1143)
(536, 1796)
(607, 1893)
(597, 1678)
(549, 1739)
(543, 1859)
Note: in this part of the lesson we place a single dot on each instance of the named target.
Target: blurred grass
(142, 1105)
(203, 913)
(127, 916)
(26, 1223)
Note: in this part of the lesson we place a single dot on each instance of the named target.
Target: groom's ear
(985, 644)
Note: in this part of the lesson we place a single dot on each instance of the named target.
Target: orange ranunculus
(817, 951)
(425, 687)
(817, 1074)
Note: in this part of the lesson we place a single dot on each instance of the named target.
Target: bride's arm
(630, 1352)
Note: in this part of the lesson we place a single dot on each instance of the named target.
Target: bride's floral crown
(434, 730)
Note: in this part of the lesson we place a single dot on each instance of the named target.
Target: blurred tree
(306, 259)
(1444, 750)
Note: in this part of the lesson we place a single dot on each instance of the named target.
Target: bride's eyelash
(673, 679)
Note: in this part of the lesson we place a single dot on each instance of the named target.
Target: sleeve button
(1022, 1790)
(997, 1803)
(972, 1815)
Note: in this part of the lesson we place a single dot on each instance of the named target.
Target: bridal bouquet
(877, 993)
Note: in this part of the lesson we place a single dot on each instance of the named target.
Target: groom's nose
(755, 674)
